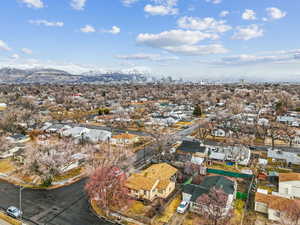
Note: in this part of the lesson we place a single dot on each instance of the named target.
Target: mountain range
(48, 75)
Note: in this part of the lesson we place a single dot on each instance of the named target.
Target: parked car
(14, 212)
(183, 207)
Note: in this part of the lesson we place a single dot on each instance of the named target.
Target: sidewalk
(2, 222)
(7, 220)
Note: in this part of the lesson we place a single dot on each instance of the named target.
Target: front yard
(169, 211)
(6, 166)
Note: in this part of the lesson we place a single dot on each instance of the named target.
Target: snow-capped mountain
(49, 75)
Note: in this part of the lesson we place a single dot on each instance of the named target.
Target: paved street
(64, 206)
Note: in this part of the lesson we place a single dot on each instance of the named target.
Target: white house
(288, 156)
(219, 132)
(263, 122)
(92, 135)
(289, 185)
(272, 205)
(241, 155)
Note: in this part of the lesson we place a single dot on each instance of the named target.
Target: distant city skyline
(192, 39)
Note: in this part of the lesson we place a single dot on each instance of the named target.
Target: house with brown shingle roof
(289, 184)
(157, 181)
(272, 205)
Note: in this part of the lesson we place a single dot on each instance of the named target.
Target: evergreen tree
(197, 111)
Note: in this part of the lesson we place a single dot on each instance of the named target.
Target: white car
(14, 212)
(183, 207)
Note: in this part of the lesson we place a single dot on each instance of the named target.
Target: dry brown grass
(169, 211)
(6, 166)
(68, 175)
(9, 219)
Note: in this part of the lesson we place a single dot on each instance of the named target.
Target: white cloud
(113, 30)
(129, 2)
(275, 13)
(4, 46)
(174, 38)
(181, 42)
(197, 49)
(88, 29)
(33, 3)
(208, 24)
(47, 23)
(214, 1)
(78, 4)
(143, 56)
(249, 14)
(275, 57)
(160, 10)
(15, 56)
(249, 32)
(26, 51)
(224, 13)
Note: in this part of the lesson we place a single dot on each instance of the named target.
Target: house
(288, 155)
(3, 106)
(272, 205)
(54, 128)
(289, 185)
(124, 138)
(157, 181)
(263, 122)
(291, 121)
(83, 133)
(191, 192)
(189, 149)
(239, 154)
(11, 152)
(18, 138)
(219, 132)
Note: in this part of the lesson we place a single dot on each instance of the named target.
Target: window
(277, 214)
(286, 190)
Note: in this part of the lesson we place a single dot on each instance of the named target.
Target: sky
(191, 39)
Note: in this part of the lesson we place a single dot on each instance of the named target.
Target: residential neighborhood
(154, 158)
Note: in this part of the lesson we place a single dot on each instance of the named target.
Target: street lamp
(20, 199)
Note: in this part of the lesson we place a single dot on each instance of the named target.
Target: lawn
(169, 211)
(68, 175)
(137, 208)
(191, 219)
(6, 166)
(182, 123)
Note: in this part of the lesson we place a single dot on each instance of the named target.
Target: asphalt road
(63, 206)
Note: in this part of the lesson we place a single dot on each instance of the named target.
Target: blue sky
(194, 39)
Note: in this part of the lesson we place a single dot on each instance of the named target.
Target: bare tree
(4, 144)
(106, 186)
(289, 133)
(161, 139)
(290, 212)
(275, 132)
(48, 159)
(204, 130)
(213, 207)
